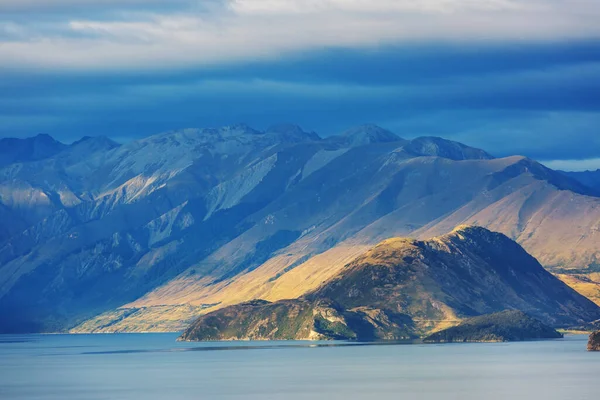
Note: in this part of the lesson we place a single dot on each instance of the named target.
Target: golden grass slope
(588, 285)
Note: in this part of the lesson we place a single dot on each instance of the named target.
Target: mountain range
(146, 236)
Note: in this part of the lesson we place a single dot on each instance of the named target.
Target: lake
(155, 366)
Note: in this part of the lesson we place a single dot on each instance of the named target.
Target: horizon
(572, 165)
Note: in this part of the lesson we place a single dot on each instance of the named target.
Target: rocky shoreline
(594, 342)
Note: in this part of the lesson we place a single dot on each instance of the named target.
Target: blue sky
(510, 76)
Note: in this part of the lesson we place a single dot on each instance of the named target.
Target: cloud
(505, 75)
(531, 99)
(539, 134)
(69, 5)
(591, 164)
(194, 34)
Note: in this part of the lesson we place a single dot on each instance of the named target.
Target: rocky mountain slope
(197, 219)
(404, 288)
(505, 326)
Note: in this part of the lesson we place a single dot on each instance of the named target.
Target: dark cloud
(534, 99)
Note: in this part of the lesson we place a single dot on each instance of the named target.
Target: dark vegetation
(505, 326)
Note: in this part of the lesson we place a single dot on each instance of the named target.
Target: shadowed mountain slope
(590, 179)
(42, 146)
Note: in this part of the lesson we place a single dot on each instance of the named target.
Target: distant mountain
(505, 326)
(44, 184)
(404, 288)
(292, 133)
(14, 150)
(438, 147)
(588, 178)
(365, 135)
(197, 219)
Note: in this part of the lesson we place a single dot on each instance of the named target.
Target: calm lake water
(154, 366)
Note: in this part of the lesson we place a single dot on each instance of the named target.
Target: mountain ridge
(14, 150)
(198, 218)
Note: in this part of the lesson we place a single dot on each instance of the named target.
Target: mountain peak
(292, 132)
(481, 238)
(95, 143)
(367, 134)
(439, 147)
(472, 230)
(35, 148)
(44, 137)
(241, 127)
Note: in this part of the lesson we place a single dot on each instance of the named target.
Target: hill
(404, 288)
(505, 326)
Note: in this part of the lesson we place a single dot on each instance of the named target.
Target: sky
(509, 76)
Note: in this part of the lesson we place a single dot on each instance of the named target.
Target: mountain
(404, 287)
(505, 326)
(284, 320)
(590, 179)
(365, 135)
(438, 147)
(292, 133)
(149, 234)
(41, 188)
(14, 150)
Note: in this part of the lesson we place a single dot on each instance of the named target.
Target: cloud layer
(158, 34)
(513, 77)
